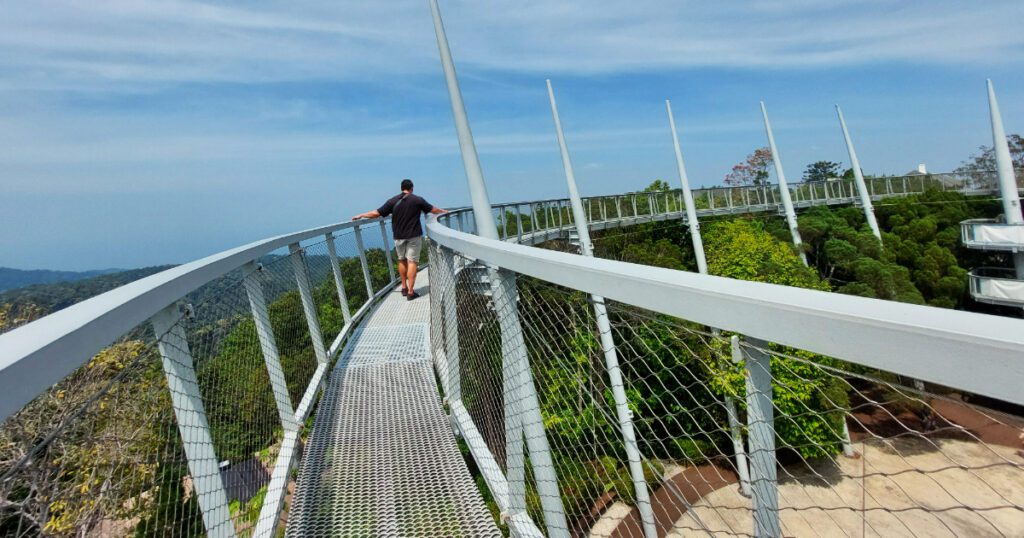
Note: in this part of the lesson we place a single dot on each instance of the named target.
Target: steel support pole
(505, 299)
(761, 432)
(339, 282)
(691, 210)
(450, 322)
(1004, 167)
(787, 203)
(622, 411)
(189, 413)
(308, 305)
(387, 251)
(862, 189)
(362, 261)
(260, 316)
(742, 467)
(519, 224)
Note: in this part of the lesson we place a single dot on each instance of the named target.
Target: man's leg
(411, 272)
(402, 272)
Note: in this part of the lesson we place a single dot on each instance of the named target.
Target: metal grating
(382, 459)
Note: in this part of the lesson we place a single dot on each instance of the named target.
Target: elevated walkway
(382, 459)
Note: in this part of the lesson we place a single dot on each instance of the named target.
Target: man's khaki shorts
(409, 249)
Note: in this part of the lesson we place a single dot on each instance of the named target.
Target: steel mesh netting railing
(840, 448)
(120, 446)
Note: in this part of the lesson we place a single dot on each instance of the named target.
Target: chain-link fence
(662, 425)
(190, 425)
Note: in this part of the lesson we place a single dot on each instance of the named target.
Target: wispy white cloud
(64, 44)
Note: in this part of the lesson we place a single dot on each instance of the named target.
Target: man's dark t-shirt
(405, 220)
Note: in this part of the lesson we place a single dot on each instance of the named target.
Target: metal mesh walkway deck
(382, 459)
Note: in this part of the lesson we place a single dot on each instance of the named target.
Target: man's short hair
(406, 184)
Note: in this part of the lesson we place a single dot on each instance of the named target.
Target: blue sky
(138, 133)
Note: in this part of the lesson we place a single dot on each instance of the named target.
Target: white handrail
(37, 355)
(979, 353)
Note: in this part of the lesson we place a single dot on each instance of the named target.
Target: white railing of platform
(42, 353)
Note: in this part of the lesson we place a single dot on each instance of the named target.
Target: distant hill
(18, 278)
(57, 295)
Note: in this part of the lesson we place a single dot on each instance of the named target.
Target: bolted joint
(187, 311)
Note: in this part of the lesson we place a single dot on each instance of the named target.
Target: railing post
(519, 224)
(632, 197)
(462, 224)
(761, 432)
(742, 469)
(272, 501)
(526, 407)
(308, 305)
(260, 316)
(618, 208)
(193, 427)
(339, 283)
(387, 251)
(622, 411)
(362, 261)
(450, 322)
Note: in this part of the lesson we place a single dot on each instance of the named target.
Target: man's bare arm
(437, 211)
(368, 215)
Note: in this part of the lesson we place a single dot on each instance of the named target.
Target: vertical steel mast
(611, 357)
(787, 202)
(1004, 168)
(862, 188)
(522, 407)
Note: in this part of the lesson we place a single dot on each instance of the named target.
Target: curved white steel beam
(35, 356)
(979, 353)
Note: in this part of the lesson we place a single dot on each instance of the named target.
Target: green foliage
(821, 171)
(919, 260)
(744, 250)
(808, 399)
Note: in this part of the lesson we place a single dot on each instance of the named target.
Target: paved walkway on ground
(382, 459)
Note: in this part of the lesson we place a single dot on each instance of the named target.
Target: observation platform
(994, 285)
(382, 459)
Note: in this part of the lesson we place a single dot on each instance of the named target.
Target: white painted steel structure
(987, 285)
(39, 354)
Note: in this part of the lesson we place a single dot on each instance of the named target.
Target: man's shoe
(405, 291)
(412, 295)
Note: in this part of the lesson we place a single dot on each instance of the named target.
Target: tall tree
(821, 171)
(752, 171)
(981, 166)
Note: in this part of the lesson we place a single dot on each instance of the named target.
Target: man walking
(405, 209)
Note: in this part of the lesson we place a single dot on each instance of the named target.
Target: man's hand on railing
(368, 215)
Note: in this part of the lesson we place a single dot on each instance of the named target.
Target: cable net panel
(853, 450)
(382, 459)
